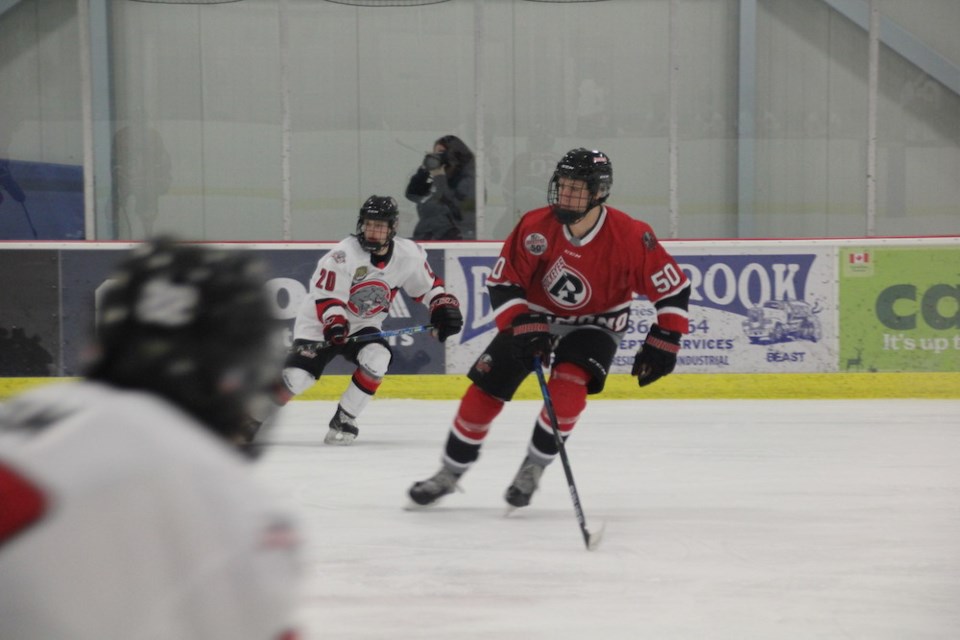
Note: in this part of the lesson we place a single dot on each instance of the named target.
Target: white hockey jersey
(348, 283)
(135, 522)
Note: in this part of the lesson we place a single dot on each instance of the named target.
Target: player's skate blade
(339, 438)
(593, 538)
(343, 429)
(427, 492)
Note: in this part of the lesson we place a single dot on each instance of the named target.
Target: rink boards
(757, 307)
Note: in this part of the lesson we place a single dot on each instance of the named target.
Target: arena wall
(768, 318)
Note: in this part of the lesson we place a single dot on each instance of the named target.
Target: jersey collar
(381, 261)
(579, 242)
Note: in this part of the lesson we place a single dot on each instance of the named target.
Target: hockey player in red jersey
(563, 285)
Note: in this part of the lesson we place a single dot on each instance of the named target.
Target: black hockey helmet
(591, 166)
(378, 208)
(193, 325)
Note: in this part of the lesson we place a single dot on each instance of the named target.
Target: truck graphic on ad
(782, 321)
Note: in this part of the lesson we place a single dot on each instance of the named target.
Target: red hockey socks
(477, 410)
(568, 392)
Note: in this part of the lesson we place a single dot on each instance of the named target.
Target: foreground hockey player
(350, 294)
(125, 508)
(563, 283)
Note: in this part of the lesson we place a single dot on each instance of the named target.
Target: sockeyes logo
(369, 298)
(566, 286)
(535, 243)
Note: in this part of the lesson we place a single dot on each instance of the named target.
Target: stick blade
(594, 537)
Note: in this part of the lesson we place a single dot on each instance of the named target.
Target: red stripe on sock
(367, 383)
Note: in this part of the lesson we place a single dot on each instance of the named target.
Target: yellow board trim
(798, 386)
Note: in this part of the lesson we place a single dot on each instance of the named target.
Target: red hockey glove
(445, 316)
(531, 338)
(335, 329)
(658, 355)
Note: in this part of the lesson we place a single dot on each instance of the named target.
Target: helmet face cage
(591, 166)
(382, 208)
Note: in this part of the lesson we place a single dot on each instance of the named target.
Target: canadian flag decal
(860, 258)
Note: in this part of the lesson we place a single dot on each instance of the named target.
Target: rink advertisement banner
(466, 274)
(85, 273)
(757, 310)
(755, 306)
(899, 308)
(751, 310)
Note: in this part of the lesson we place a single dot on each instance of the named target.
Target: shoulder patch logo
(649, 241)
(339, 257)
(535, 243)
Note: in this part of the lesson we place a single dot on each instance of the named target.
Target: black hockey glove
(531, 338)
(335, 329)
(658, 355)
(445, 316)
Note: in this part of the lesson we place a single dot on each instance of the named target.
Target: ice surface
(724, 519)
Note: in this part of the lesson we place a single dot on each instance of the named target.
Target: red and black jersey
(590, 280)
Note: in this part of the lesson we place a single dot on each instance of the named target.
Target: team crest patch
(360, 273)
(339, 257)
(535, 243)
(566, 286)
(369, 298)
(649, 241)
(484, 363)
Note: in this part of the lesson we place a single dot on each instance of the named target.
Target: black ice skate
(427, 492)
(524, 483)
(343, 429)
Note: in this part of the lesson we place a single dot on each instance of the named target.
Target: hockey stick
(591, 540)
(365, 337)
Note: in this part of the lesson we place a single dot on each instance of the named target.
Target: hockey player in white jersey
(350, 294)
(126, 510)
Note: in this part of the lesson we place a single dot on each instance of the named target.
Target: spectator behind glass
(443, 190)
